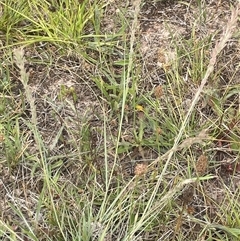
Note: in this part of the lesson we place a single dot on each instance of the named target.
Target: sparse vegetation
(119, 120)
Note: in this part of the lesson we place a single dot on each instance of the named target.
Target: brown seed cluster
(140, 169)
(201, 165)
(158, 91)
(187, 195)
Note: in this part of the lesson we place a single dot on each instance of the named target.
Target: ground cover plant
(119, 120)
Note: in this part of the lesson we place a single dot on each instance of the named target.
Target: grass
(91, 149)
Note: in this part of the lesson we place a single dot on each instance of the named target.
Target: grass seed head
(140, 169)
(202, 165)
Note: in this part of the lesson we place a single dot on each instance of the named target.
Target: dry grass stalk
(24, 77)
(200, 138)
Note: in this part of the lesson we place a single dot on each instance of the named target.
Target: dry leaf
(192, 140)
(201, 165)
(190, 210)
(162, 56)
(141, 115)
(165, 58)
(178, 224)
